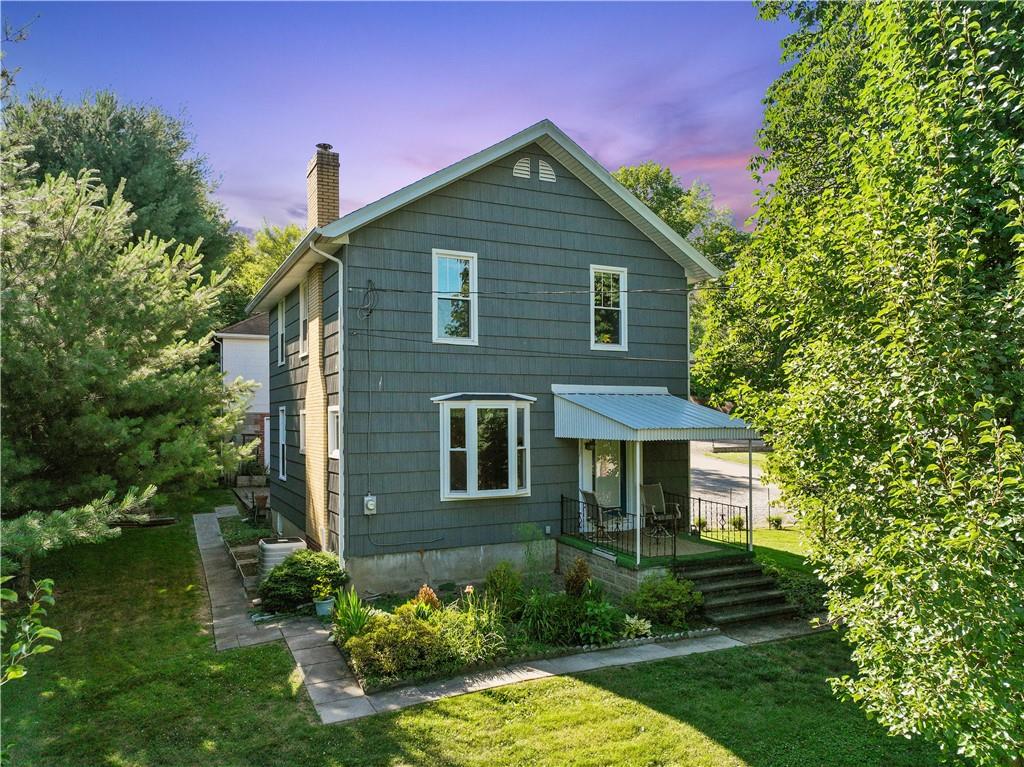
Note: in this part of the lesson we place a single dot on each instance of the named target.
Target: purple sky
(401, 90)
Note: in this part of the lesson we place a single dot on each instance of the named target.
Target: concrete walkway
(337, 696)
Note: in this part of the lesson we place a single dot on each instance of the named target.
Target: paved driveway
(726, 481)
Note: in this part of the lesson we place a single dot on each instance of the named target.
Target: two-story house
(451, 363)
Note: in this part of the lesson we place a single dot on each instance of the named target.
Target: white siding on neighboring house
(248, 358)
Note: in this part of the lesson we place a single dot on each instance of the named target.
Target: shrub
(323, 588)
(738, 522)
(601, 622)
(635, 627)
(471, 633)
(802, 590)
(290, 583)
(397, 645)
(666, 601)
(774, 522)
(577, 577)
(351, 615)
(504, 585)
(701, 524)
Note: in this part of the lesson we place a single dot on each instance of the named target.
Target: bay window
(485, 445)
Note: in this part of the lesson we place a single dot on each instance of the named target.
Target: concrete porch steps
(735, 599)
(736, 590)
(728, 585)
(745, 613)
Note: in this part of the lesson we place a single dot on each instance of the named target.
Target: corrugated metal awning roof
(639, 413)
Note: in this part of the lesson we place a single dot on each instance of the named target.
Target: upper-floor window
(485, 445)
(280, 332)
(303, 318)
(454, 312)
(608, 308)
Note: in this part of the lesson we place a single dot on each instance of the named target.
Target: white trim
(282, 443)
(304, 315)
(471, 407)
(436, 254)
(302, 431)
(484, 396)
(281, 341)
(589, 389)
(334, 432)
(243, 336)
(623, 344)
(266, 438)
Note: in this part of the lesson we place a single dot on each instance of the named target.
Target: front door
(604, 470)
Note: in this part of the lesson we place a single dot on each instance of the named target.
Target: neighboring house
(452, 364)
(244, 353)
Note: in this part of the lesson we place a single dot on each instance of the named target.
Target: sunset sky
(402, 90)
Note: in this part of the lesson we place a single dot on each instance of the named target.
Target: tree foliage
(105, 385)
(26, 635)
(250, 262)
(151, 153)
(874, 332)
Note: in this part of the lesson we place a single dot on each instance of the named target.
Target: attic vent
(545, 171)
(522, 168)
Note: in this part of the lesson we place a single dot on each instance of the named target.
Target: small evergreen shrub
(577, 577)
(504, 585)
(290, 584)
(666, 601)
(738, 522)
(774, 522)
(397, 645)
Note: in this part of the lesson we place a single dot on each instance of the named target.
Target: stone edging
(509, 660)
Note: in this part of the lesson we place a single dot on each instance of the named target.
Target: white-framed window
(485, 445)
(304, 317)
(282, 443)
(302, 431)
(608, 308)
(280, 332)
(334, 432)
(454, 297)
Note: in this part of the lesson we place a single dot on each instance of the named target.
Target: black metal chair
(601, 517)
(658, 514)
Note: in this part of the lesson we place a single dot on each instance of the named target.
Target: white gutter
(341, 399)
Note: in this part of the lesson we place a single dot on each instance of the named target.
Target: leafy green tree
(105, 386)
(874, 333)
(250, 262)
(150, 152)
(27, 636)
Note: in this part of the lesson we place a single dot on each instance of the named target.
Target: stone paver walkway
(336, 695)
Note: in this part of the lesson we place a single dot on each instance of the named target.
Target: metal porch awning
(639, 414)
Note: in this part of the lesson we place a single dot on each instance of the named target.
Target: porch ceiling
(640, 414)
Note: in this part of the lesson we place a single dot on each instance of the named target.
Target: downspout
(341, 404)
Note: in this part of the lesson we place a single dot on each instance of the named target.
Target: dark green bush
(504, 586)
(803, 590)
(290, 584)
(738, 522)
(550, 617)
(665, 601)
(577, 577)
(601, 622)
(774, 522)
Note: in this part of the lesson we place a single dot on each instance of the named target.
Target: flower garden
(392, 641)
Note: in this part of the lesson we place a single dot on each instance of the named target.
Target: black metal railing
(715, 520)
(668, 532)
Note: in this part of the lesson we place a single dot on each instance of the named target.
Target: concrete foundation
(408, 571)
(617, 581)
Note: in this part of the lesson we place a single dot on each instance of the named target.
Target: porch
(634, 504)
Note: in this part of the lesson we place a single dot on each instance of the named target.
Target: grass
(137, 683)
(239, 531)
(759, 458)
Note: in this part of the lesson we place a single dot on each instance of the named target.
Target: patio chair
(601, 517)
(658, 514)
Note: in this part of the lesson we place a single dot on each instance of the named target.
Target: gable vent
(522, 168)
(545, 171)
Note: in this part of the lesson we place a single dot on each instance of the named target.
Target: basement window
(485, 445)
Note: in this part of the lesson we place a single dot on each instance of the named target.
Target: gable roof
(257, 325)
(552, 140)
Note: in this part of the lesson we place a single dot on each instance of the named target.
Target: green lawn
(137, 682)
(759, 458)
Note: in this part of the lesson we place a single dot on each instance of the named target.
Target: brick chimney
(322, 205)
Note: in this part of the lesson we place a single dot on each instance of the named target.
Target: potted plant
(323, 596)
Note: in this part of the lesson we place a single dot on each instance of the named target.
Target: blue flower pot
(324, 607)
